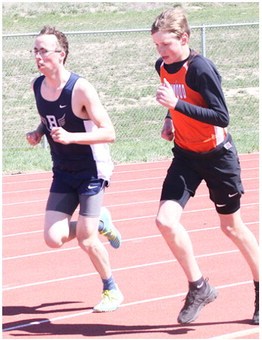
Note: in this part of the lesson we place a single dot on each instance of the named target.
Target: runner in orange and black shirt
(197, 122)
(201, 127)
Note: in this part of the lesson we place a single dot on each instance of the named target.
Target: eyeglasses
(43, 52)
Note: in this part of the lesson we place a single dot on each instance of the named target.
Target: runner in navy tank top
(78, 130)
(203, 151)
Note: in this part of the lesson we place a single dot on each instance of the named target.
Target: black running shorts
(220, 169)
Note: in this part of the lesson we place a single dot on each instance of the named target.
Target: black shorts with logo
(219, 168)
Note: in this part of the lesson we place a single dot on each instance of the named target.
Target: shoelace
(191, 298)
(109, 233)
(106, 295)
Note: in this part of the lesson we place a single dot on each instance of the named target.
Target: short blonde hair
(172, 20)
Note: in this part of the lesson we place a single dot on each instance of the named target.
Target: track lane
(62, 306)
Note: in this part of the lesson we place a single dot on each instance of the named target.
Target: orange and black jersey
(200, 117)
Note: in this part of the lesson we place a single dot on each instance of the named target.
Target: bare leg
(58, 229)
(87, 235)
(177, 238)
(233, 226)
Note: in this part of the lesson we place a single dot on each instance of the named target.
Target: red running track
(49, 293)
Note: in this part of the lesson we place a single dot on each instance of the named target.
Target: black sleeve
(203, 77)
(168, 115)
(158, 64)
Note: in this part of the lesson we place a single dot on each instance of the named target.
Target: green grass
(30, 159)
(22, 17)
(129, 99)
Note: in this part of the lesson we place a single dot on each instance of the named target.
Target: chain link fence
(120, 64)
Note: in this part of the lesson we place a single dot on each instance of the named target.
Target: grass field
(23, 17)
(129, 99)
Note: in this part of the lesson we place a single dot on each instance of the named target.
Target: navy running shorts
(68, 190)
(220, 169)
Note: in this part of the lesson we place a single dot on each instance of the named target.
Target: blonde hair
(172, 20)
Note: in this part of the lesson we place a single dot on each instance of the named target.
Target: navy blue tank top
(93, 158)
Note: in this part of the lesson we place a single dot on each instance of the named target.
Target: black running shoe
(195, 301)
(255, 319)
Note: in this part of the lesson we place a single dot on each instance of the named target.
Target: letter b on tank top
(51, 121)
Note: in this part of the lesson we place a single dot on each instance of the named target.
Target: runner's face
(47, 52)
(170, 48)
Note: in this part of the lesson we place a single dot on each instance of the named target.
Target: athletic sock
(100, 226)
(109, 284)
(199, 284)
(256, 284)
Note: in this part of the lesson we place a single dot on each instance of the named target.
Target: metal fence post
(235, 54)
(45, 143)
(203, 40)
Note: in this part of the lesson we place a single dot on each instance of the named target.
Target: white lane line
(127, 204)
(114, 270)
(124, 240)
(69, 316)
(117, 193)
(115, 181)
(243, 158)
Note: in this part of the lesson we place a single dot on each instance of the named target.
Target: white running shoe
(111, 300)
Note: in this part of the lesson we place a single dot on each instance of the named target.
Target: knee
(233, 231)
(159, 222)
(87, 244)
(227, 230)
(232, 225)
(163, 224)
(56, 228)
(53, 242)
(168, 216)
